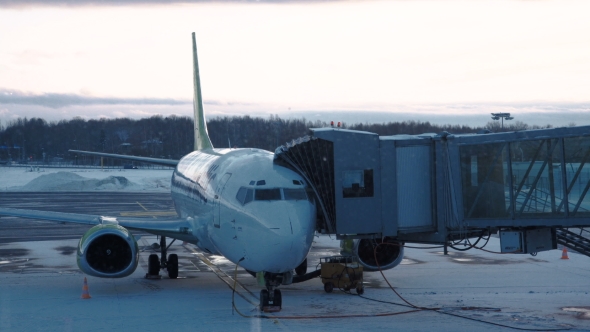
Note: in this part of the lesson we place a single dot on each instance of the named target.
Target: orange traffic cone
(85, 294)
(564, 253)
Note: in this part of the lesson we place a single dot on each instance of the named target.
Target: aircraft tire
(153, 265)
(263, 299)
(302, 268)
(278, 299)
(328, 287)
(172, 266)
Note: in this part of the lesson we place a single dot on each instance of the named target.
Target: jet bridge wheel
(172, 266)
(153, 265)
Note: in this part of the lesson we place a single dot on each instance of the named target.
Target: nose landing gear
(271, 299)
(271, 304)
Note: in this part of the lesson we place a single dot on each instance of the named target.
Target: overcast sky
(435, 59)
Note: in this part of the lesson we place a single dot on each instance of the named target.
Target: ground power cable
(305, 317)
(408, 305)
(474, 245)
(471, 246)
(437, 310)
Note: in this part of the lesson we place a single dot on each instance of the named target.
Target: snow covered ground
(81, 179)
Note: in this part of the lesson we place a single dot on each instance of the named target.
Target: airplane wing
(175, 228)
(155, 161)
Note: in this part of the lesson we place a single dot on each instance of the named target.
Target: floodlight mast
(498, 116)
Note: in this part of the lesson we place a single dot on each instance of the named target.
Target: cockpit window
(245, 195)
(294, 194)
(267, 194)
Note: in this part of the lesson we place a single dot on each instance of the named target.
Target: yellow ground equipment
(343, 272)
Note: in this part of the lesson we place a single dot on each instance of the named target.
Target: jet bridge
(433, 188)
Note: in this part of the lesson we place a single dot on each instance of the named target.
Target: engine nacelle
(108, 251)
(389, 252)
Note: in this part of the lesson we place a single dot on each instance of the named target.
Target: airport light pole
(498, 116)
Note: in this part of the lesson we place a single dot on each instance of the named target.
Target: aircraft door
(217, 203)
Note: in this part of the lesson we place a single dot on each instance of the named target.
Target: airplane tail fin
(202, 140)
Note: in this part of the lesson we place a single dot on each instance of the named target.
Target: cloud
(59, 100)
(79, 3)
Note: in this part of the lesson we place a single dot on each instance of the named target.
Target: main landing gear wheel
(302, 268)
(328, 287)
(153, 265)
(360, 290)
(172, 266)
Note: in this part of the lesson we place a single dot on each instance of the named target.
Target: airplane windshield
(294, 194)
(267, 194)
(246, 195)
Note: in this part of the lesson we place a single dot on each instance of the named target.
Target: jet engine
(108, 251)
(389, 253)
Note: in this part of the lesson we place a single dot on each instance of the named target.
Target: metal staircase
(578, 242)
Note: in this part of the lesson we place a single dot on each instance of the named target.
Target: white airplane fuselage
(243, 206)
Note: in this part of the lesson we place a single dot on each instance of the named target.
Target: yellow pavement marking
(143, 207)
(141, 214)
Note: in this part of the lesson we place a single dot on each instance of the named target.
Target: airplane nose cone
(286, 241)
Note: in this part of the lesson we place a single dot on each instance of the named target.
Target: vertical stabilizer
(202, 140)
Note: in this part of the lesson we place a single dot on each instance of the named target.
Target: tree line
(36, 140)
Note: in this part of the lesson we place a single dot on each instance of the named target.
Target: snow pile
(79, 179)
(66, 181)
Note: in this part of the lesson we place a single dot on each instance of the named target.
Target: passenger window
(267, 194)
(294, 194)
(244, 195)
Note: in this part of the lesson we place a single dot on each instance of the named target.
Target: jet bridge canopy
(424, 187)
(528, 178)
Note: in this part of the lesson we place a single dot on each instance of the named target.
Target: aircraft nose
(287, 239)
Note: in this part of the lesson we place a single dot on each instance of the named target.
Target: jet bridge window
(485, 180)
(357, 183)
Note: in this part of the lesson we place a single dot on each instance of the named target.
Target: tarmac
(41, 289)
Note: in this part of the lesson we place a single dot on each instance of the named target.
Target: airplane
(233, 202)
